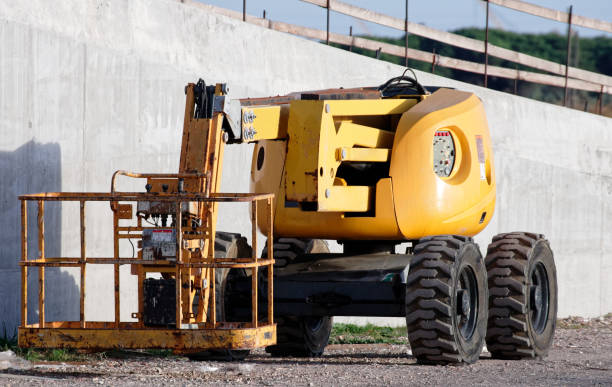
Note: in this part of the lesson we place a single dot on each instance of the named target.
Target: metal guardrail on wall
(563, 76)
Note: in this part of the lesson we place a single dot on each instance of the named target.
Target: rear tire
(523, 296)
(301, 336)
(446, 300)
(227, 245)
(296, 335)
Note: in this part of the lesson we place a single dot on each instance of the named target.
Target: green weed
(368, 334)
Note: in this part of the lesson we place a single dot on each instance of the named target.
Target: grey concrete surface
(91, 86)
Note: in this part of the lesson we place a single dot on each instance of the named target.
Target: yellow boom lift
(400, 175)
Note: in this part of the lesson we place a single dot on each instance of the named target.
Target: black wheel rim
(540, 297)
(466, 298)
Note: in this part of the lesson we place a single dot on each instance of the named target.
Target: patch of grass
(160, 352)
(575, 322)
(570, 324)
(9, 342)
(368, 334)
(58, 354)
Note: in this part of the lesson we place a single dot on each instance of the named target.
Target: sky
(440, 14)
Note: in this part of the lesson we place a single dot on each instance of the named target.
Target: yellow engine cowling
(410, 199)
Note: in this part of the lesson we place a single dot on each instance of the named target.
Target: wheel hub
(463, 303)
(466, 301)
(539, 293)
(536, 297)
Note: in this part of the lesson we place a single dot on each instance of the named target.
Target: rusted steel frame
(486, 48)
(236, 260)
(141, 277)
(24, 258)
(258, 263)
(568, 53)
(41, 269)
(187, 295)
(195, 237)
(132, 236)
(182, 340)
(129, 236)
(142, 228)
(92, 325)
(254, 271)
(149, 175)
(141, 197)
(270, 258)
(116, 274)
(55, 259)
(179, 261)
(33, 263)
(153, 176)
(41, 229)
(83, 267)
(111, 261)
(212, 298)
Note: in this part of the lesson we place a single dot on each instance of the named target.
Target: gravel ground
(581, 355)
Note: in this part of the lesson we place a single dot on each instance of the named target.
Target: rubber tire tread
(228, 245)
(509, 332)
(293, 336)
(432, 336)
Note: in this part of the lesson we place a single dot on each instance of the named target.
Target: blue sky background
(440, 14)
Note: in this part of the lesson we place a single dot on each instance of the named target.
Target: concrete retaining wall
(89, 87)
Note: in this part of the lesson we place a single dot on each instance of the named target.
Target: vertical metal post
(406, 37)
(433, 61)
(264, 14)
(515, 86)
(179, 262)
(516, 78)
(24, 257)
(486, 63)
(568, 52)
(83, 258)
(254, 271)
(601, 99)
(41, 269)
(116, 269)
(41, 229)
(327, 39)
(212, 298)
(270, 257)
(378, 52)
(243, 10)
(351, 35)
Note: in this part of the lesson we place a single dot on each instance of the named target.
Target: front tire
(523, 296)
(446, 300)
